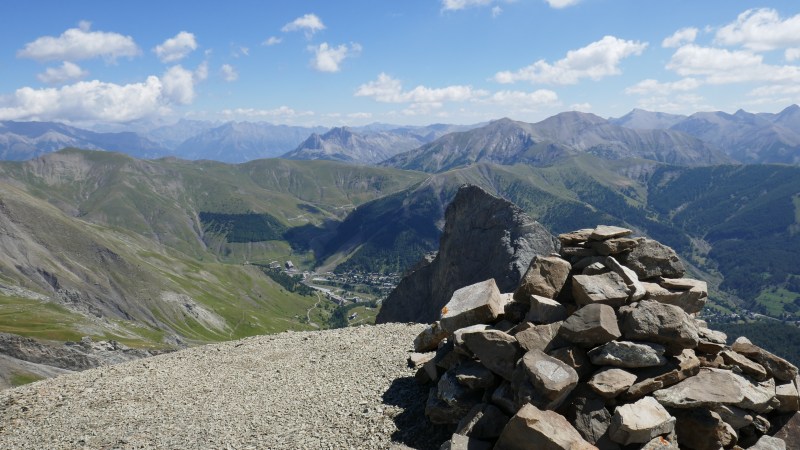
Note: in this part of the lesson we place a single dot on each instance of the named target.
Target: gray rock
(651, 259)
(614, 246)
(588, 414)
(475, 304)
(789, 431)
(759, 397)
(776, 366)
(637, 290)
(709, 388)
(604, 232)
(640, 422)
(545, 310)
(461, 442)
(458, 337)
(429, 338)
(737, 418)
(610, 382)
(657, 322)
(677, 369)
(574, 357)
(489, 238)
(575, 237)
(552, 379)
(747, 366)
(540, 337)
(597, 268)
(533, 428)
(474, 375)
(628, 354)
(591, 325)
(483, 421)
(690, 295)
(503, 398)
(497, 351)
(416, 360)
(702, 429)
(769, 443)
(440, 412)
(788, 398)
(607, 288)
(545, 277)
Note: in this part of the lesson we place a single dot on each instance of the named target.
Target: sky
(407, 62)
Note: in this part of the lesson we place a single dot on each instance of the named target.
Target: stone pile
(600, 347)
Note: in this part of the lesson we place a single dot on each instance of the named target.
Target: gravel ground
(337, 389)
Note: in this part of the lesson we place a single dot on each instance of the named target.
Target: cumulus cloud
(78, 44)
(308, 23)
(229, 73)
(583, 107)
(595, 61)
(201, 73)
(761, 30)
(654, 87)
(455, 5)
(96, 101)
(329, 59)
(680, 37)
(176, 48)
(722, 66)
(496, 11)
(390, 90)
(66, 72)
(792, 54)
(272, 40)
(558, 4)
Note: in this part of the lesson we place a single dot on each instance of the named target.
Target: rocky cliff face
(484, 237)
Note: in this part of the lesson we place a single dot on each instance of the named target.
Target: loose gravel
(336, 389)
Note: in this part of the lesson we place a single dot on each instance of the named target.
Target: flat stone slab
(603, 232)
(545, 277)
(709, 388)
(607, 288)
(533, 428)
(610, 382)
(552, 379)
(545, 310)
(628, 354)
(591, 325)
(776, 366)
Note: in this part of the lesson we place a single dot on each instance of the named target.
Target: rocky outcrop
(610, 356)
(488, 237)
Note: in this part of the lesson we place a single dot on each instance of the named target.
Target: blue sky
(403, 62)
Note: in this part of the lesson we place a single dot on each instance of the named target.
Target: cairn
(600, 347)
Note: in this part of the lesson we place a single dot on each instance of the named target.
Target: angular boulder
(610, 382)
(604, 232)
(640, 422)
(608, 288)
(614, 246)
(776, 366)
(747, 366)
(650, 259)
(552, 379)
(429, 338)
(591, 325)
(636, 288)
(484, 421)
(547, 430)
(545, 277)
(541, 337)
(709, 388)
(701, 429)
(657, 322)
(496, 350)
(545, 310)
(677, 369)
(475, 304)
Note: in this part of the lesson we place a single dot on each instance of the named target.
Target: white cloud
(201, 73)
(761, 30)
(390, 90)
(722, 66)
(80, 43)
(272, 40)
(176, 48)
(558, 4)
(329, 59)
(597, 60)
(583, 107)
(654, 87)
(792, 54)
(283, 112)
(66, 72)
(681, 104)
(308, 23)
(496, 11)
(769, 91)
(525, 99)
(178, 84)
(680, 37)
(229, 73)
(455, 5)
(87, 101)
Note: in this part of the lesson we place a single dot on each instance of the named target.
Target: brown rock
(574, 357)
(747, 366)
(483, 421)
(474, 375)
(586, 411)
(497, 351)
(789, 431)
(532, 428)
(591, 325)
(769, 443)
(440, 412)
(640, 422)
(677, 369)
(478, 303)
(416, 360)
(461, 442)
(688, 294)
(552, 379)
(503, 398)
(701, 429)
(636, 288)
(575, 237)
(709, 388)
(545, 277)
(545, 310)
(429, 338)
(776, 366)
(610, 382)
(631, 355)
(458, 338)
(614, 246)
(541, 337)
(604, 232)
(657, 322)
(651, 259)
(788, 398)
(606, 288)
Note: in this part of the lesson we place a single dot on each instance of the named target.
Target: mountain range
(703, 138)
